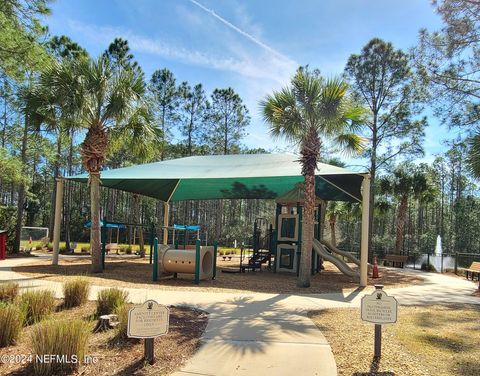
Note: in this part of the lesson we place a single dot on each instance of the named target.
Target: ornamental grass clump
(121, 328)
(37, 305)
(110, 300)
(63, 341)
(76, 292)
(8, 292)
(11, 322)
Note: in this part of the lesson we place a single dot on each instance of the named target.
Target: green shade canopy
(229, 176)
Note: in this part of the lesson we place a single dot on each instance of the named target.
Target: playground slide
(340, 264)
(347, 255)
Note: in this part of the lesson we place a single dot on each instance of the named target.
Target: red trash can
(3, 244)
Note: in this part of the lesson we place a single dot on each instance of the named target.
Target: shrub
(67, 339)
(110, 300)
(428, 268)
(129, 250)
(123, 248)
(8, 291)
(38, 247)
(37, 305)
(85, 249)
(76, 292)
(11, 323)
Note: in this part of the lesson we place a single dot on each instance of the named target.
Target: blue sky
(252, 46)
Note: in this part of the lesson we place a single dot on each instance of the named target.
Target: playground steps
(257, 260)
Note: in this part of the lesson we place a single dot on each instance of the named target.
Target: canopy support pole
(166, 213)
(364, 240)
(57, 221)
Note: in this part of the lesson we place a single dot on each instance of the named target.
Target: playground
(275, 244)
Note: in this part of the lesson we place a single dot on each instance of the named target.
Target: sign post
(379, 308)
(147, 321)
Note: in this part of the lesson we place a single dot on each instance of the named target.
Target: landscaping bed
(110, 353)
(138, 273)
(427, 340)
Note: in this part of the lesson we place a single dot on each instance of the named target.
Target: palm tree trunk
(95, 241)
(402, 212)
(333, 237)
(310, 152)
(93, 151)
(307, 233)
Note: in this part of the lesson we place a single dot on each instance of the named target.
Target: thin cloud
(241, 32)
(244, 63)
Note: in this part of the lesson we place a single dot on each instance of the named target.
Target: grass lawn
(426, 340)
(120, 358)
(135, 247)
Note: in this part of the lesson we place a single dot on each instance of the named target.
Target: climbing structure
(288, 237)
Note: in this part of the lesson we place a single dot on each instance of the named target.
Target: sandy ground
(427, 340)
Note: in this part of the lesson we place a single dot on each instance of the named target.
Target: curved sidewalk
(269, 334)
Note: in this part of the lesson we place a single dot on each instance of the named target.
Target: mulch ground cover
(114, 357)
(138, 273)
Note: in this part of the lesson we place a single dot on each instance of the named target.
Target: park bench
(473, 269)
(112, 247)
(395, 259)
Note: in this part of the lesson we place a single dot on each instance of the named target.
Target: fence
(443, 262)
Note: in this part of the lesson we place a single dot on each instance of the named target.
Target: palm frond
(351, 144)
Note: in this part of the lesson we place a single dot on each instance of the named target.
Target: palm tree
(335, 209)
(311, 109)
(107, 101)
(405, 182)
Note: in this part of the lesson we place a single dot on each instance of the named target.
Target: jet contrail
(245, 34)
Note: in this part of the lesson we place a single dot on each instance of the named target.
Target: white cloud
(259, 68)
(237, 59)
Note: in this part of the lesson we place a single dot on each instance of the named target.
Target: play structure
(199, 261)
(278, 245)
(261, 247)
(170, 260)
(289, 237)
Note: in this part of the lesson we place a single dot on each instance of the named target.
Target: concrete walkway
(255, 333)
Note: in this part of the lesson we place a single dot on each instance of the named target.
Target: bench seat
(473, 269)
(395, 260)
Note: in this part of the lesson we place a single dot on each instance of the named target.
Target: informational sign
(379, 308)
(148, 320)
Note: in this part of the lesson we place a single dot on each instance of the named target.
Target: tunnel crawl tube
(172, 260)
(340, 264)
